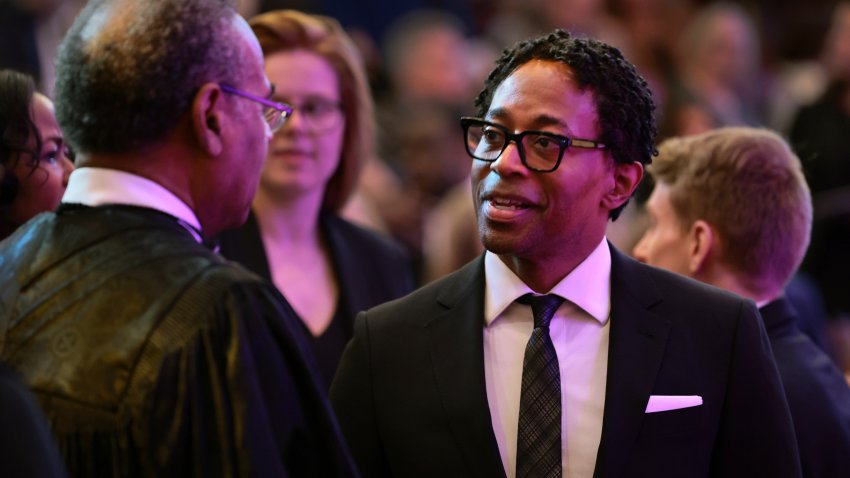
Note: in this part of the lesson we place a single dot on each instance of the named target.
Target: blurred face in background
(306, 151)
(728, 51)
(837, 49)
(42, 177)
(436, 68)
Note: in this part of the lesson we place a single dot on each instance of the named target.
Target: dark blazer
(410, 391)
(371, 268)
(26, 445)
(817, 394)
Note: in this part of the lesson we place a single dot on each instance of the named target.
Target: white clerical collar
(588, 285)
(100, 186)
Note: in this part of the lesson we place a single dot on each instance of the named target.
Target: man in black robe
(149, 353)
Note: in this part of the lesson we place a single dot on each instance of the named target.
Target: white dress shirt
(579, 331)
(100, 186)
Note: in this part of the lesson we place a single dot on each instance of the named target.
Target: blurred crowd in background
(780, 64)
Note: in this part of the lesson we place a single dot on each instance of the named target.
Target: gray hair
(127, 70)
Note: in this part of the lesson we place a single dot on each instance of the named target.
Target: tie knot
(543, 307)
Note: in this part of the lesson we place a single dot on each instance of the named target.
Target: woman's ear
(207, 116)
(626, 178)
(703, 244)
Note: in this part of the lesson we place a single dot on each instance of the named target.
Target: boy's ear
(703, 242)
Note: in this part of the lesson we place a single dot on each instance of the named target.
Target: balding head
(128, 70)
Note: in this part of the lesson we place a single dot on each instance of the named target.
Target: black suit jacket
(817, 394)
(410, 390)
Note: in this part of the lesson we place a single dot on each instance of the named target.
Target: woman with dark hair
(34, 161)
(328, 268)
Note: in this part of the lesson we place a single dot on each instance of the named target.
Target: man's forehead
(543, 77)
(245, 31)
(660, 197)
(539, 119)
(543, 93)
(251, 51)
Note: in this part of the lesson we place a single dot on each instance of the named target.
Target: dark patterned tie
(539, 432)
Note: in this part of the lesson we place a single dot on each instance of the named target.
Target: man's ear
(207, 116)
(703, 245)
(627, 176)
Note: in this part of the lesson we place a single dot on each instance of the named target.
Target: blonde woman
(328, 268)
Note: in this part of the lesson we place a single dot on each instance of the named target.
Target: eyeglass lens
(274, 118)
(319, 114)
(538, 151)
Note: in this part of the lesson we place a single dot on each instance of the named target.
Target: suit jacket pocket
(680, 423)
(675, 443)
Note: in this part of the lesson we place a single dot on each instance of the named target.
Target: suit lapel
(456, 345)
(635, 351)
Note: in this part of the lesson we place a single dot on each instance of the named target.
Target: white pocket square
(663, 403)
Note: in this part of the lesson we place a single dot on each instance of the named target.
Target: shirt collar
(101, 186)
(588, 285)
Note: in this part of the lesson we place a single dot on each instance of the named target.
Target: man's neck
(150, 163)
(726, 279)
(170, 165)
(543, 273)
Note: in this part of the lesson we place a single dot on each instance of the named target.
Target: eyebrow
(538, 121)
(53, 139)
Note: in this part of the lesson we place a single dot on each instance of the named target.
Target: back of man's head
(127, 70)
(748, 185)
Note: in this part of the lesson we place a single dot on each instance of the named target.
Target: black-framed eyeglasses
(274, 112)
(539, 151)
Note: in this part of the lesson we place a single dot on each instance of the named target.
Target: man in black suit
(640, 372)
(731, 208)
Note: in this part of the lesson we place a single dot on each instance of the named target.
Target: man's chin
(232, 221)
(500, 244)
(246, 211)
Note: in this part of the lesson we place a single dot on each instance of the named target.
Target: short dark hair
(623, 99)
(123, 82)
(16, 127)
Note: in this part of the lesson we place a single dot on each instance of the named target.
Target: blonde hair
(749, 186)
(285, 30)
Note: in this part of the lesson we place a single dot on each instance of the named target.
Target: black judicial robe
(151, 355)
(26, 446)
